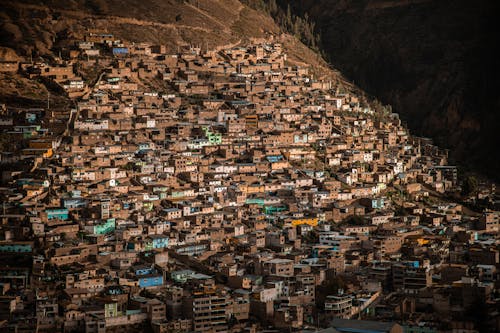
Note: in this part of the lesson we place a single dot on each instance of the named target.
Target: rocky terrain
(431, 60)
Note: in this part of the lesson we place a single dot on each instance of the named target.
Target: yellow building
(422, 241)
(312, 221)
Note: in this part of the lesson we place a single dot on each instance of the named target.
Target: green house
(107, 227)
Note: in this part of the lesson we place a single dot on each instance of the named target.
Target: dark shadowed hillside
(434, 61)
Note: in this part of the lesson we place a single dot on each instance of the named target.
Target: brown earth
(30, 29)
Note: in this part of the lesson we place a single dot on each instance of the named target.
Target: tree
(81, 234)
(400, 211)
(312, 237)
(288, 18)
(329, 287)
(355, 220)
(469, 186)
(301, 27)
(273, 7)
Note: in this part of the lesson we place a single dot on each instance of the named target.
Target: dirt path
(224, 26)
(132, 21)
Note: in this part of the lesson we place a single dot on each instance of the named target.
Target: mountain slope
(169, 22)
(432, 60)
(38, 28)
(30, 29)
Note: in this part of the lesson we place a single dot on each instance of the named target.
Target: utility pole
(48, 100)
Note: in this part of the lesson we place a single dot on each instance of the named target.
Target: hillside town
(229, 190)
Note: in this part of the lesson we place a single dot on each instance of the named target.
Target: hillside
(167, 22)
(32, 29)
(431, 60)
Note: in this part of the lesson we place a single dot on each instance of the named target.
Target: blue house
(192, 250)
(73, 203)
(141, 147)
(57, 213)
(76, 194)
(182, 276)
(31, 117)
(143, 270)
(21, 247)
(378, 203)
(274, 158)
(120, 50)
(159, 241)
(148, 276)
(151, 281)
